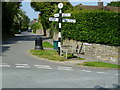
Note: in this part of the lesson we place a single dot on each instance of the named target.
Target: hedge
(93, 27)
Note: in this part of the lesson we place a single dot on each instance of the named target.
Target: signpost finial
(60, 5)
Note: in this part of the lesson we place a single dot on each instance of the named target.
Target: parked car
(29, 30)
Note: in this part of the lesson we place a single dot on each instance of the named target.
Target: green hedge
(114, 4)
(94, 27)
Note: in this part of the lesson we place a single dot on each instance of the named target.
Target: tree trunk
(44, 30)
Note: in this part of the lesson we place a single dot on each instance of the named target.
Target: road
(21, 70)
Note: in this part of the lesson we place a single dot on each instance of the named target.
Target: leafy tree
(36, 26)
(46, 10)
(24, 20)
(9, 11)
(114, 4)
(12, 18)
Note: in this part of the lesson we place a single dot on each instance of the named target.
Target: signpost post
(60, 20)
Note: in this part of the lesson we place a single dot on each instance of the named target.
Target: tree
(24, 20)
(9, 11)
(46, 10)
(9, 16)
(114, 4)
(12, 18)
(36, 26)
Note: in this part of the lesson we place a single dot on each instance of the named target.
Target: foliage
(47, 45)
(77, 8)
(114, 4)
(36, 26)
(21, 20)
(48, 54)
(100, 64)
(94, 27)
(12, 18)
(47, 9)
(25, 20)
(9, 11)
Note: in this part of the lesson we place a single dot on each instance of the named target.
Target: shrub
(94, 27)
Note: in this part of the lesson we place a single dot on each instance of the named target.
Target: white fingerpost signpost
(60, 20)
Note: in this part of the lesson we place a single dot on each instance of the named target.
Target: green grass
(81, 58)
(73, 56)
(100, 64)
(47, 45)
(69, 56)
(48, 54)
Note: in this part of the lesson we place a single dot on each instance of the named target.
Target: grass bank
(48, 54)
(47, 45)
(99, 64)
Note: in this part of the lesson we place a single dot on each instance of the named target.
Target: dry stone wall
(98, 51)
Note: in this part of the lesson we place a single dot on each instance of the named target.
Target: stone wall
(98, 51)
(39, 31)
(55, 35)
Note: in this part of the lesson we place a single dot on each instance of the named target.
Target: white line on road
(102, 72)
(65, 68)
(43, 66)
(22, 66)
(85, 70)
(4, 65)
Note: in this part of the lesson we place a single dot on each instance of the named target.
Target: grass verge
(47, 45)
(81, 58)
(100, 64)
(73, 56)
(48, 54)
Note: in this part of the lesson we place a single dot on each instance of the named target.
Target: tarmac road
(21, 70)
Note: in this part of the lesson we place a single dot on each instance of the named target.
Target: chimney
(100, 3)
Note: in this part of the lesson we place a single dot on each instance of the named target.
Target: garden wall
(98, 51)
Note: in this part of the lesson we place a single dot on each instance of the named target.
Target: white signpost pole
(60, 20)
(60, 6)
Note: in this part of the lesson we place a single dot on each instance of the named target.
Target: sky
(34, 15)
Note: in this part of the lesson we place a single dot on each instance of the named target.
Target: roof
(107, 8)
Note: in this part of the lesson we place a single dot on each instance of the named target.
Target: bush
(36, 26)
(114, 4)
(93, 27)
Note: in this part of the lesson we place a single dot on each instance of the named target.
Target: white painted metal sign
(63, 15)
(69, 20)
(53, 19)
(63, 20)
(60, 5)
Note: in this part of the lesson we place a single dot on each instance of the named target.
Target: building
(99, 7)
